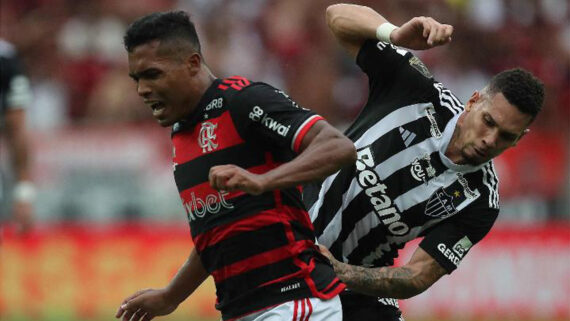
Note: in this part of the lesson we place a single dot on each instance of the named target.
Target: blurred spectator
(15, 95)
(73, 50)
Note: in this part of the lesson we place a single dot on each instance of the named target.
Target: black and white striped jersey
(402, 185)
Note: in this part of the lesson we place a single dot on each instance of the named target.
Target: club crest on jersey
(440, 204)
(206, 137)
(421, 169)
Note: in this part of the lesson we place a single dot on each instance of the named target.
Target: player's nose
(143, 89)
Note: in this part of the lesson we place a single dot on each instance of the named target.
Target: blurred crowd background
(99, 156)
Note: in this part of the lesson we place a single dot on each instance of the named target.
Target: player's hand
(231, 177)
(22, 213)
(421, 33)
(324, 251)
(144, 305)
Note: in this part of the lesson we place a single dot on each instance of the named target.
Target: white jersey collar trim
(447, 134)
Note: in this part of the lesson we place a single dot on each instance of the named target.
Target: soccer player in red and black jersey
(241, 151)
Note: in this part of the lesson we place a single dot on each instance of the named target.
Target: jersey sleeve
(393, 69)
(267, 115)
(449, 241)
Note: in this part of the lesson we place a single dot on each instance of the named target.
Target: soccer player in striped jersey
(424, 164)
(241, 151)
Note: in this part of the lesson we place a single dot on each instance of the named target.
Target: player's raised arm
(353, 24)
(322, 152)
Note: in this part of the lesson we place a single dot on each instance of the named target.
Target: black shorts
(360, 307)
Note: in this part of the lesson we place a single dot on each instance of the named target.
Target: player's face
(490, 125)
(164, 81)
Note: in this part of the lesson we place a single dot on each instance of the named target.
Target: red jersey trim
(302, 131)
(256, 221)
(259, 260)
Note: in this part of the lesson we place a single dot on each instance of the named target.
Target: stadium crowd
(74, 55)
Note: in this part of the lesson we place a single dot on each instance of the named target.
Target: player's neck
(453, 151)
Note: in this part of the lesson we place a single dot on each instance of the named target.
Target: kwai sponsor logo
(197, 207)
(259, 115)
(370, 182)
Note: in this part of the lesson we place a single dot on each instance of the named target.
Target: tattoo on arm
(393, 282)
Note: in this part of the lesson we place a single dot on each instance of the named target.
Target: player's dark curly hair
(520, 88)
(172, 25)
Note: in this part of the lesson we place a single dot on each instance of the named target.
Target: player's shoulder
(486, 181)
(239, 88)
(445, 100)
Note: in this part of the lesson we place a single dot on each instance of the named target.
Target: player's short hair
(520, 88)
(171, 25)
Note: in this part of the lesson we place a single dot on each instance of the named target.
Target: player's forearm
(353, 23)
(326, 154)
(187, 280)
(398, 282)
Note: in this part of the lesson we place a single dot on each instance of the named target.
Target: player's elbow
(347, 150)
(334, 16)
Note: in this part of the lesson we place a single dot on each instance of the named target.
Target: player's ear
(473, 99)
(194, 63)
(526, 131)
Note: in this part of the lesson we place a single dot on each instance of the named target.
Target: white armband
(24, 192)
(384, 30)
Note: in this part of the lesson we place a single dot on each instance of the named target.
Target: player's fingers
(119, 313)
(221, 178)
(448, 32)
(128, 314)
(213, 177)
(438, 38)
(138, 315)
(433, 32)
(234, 182)
(426, 26)
(147, 317)
(125, 304)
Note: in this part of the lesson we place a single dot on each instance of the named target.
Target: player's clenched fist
(231, 177)
(144, 305)
(422, 33)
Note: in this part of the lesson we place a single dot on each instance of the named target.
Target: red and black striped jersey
(259, 249)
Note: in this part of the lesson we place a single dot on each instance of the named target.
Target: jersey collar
(447, 134)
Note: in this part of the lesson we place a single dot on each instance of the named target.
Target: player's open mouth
(157, 108)
(479, 152)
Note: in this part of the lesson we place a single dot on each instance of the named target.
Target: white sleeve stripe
(446, 99)
(491, 181)
(488, 186)
(496, 190)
